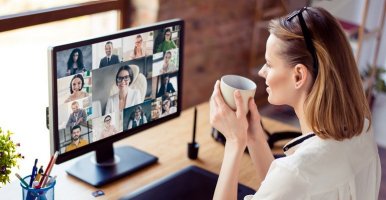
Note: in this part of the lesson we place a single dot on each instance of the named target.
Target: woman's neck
(138, 50)
(76, 93)
(122, 94)
(299, 110)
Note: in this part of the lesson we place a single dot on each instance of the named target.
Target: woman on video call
(108, 129)
(76, 86)
(137, 118)
(167, 66)
(167, 43)
(138, 51)
(126, 96)
(310, 67)
(75, 62)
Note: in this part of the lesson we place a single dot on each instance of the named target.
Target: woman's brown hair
(336, 106)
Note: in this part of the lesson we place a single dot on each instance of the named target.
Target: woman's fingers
(219, 99)
(239, 104)
(255, 115)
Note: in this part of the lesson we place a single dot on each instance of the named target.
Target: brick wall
(217, 41)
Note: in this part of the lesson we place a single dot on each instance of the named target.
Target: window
(23, 64)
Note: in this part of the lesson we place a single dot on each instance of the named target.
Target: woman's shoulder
(113, 96)
(84, 94)
(133, 90)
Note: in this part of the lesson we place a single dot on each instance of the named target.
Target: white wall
(351, 10)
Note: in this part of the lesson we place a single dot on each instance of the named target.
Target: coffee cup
(230, 83)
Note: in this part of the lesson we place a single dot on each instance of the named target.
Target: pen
(21, 180)
(194, 125)
(33, 174)
(39, 174)
(43, 181)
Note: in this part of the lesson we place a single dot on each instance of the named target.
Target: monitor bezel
(53, 95)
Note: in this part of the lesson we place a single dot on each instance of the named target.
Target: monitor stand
(105, 166)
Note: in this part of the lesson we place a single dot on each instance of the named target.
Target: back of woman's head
(336, 106)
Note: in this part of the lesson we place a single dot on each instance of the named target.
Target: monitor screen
(110, 87)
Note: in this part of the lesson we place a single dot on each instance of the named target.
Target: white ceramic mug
(230, 83)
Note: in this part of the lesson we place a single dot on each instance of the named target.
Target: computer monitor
(107, 88)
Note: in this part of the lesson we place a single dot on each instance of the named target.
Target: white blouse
(325, 169)
(133, 98)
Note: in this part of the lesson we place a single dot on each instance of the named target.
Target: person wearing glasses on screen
(126, 95)
(76, 86)
(110, 58)
(310, 67)
(167, 107)
(138, 51)
(108, 129)
(137, 118)
(75, 62)
(167, 43)
(167, 66)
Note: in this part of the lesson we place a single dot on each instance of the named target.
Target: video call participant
(166, 87)
(167, 43)
(108, 129)
(110, 58)
(138, 51)
(137, 118)
(76, 140)
(126, 96)
(167, 66)
(309, 66)
(77, 116)
(156, 110)
(167, 107)
(76, 86)
(75, 62)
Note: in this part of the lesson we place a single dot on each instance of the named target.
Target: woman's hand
(255, 130)
(233, 124)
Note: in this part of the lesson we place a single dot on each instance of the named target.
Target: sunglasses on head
(306, 35)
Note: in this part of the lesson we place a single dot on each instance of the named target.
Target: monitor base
(130, 160)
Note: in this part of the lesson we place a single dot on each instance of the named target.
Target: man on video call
(76, 140)
(110, 58)
(77, 116)
(166, 87)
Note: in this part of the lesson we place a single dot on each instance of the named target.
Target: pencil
(49, 169)
(21, 180)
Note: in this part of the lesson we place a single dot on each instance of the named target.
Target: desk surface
(169, 143)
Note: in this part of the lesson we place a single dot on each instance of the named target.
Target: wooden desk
(169, 143)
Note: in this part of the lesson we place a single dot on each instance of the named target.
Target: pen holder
(193, 150)
(44, 193)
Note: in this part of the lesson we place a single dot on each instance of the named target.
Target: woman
(167, 43)
(108, 129)
(137, 118)
(75, 62)
(139, 51)
(167, 108)
(126, 96)
(76, 86)
(310, 67)
(167, 66)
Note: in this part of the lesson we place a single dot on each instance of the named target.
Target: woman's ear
(300, 75)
